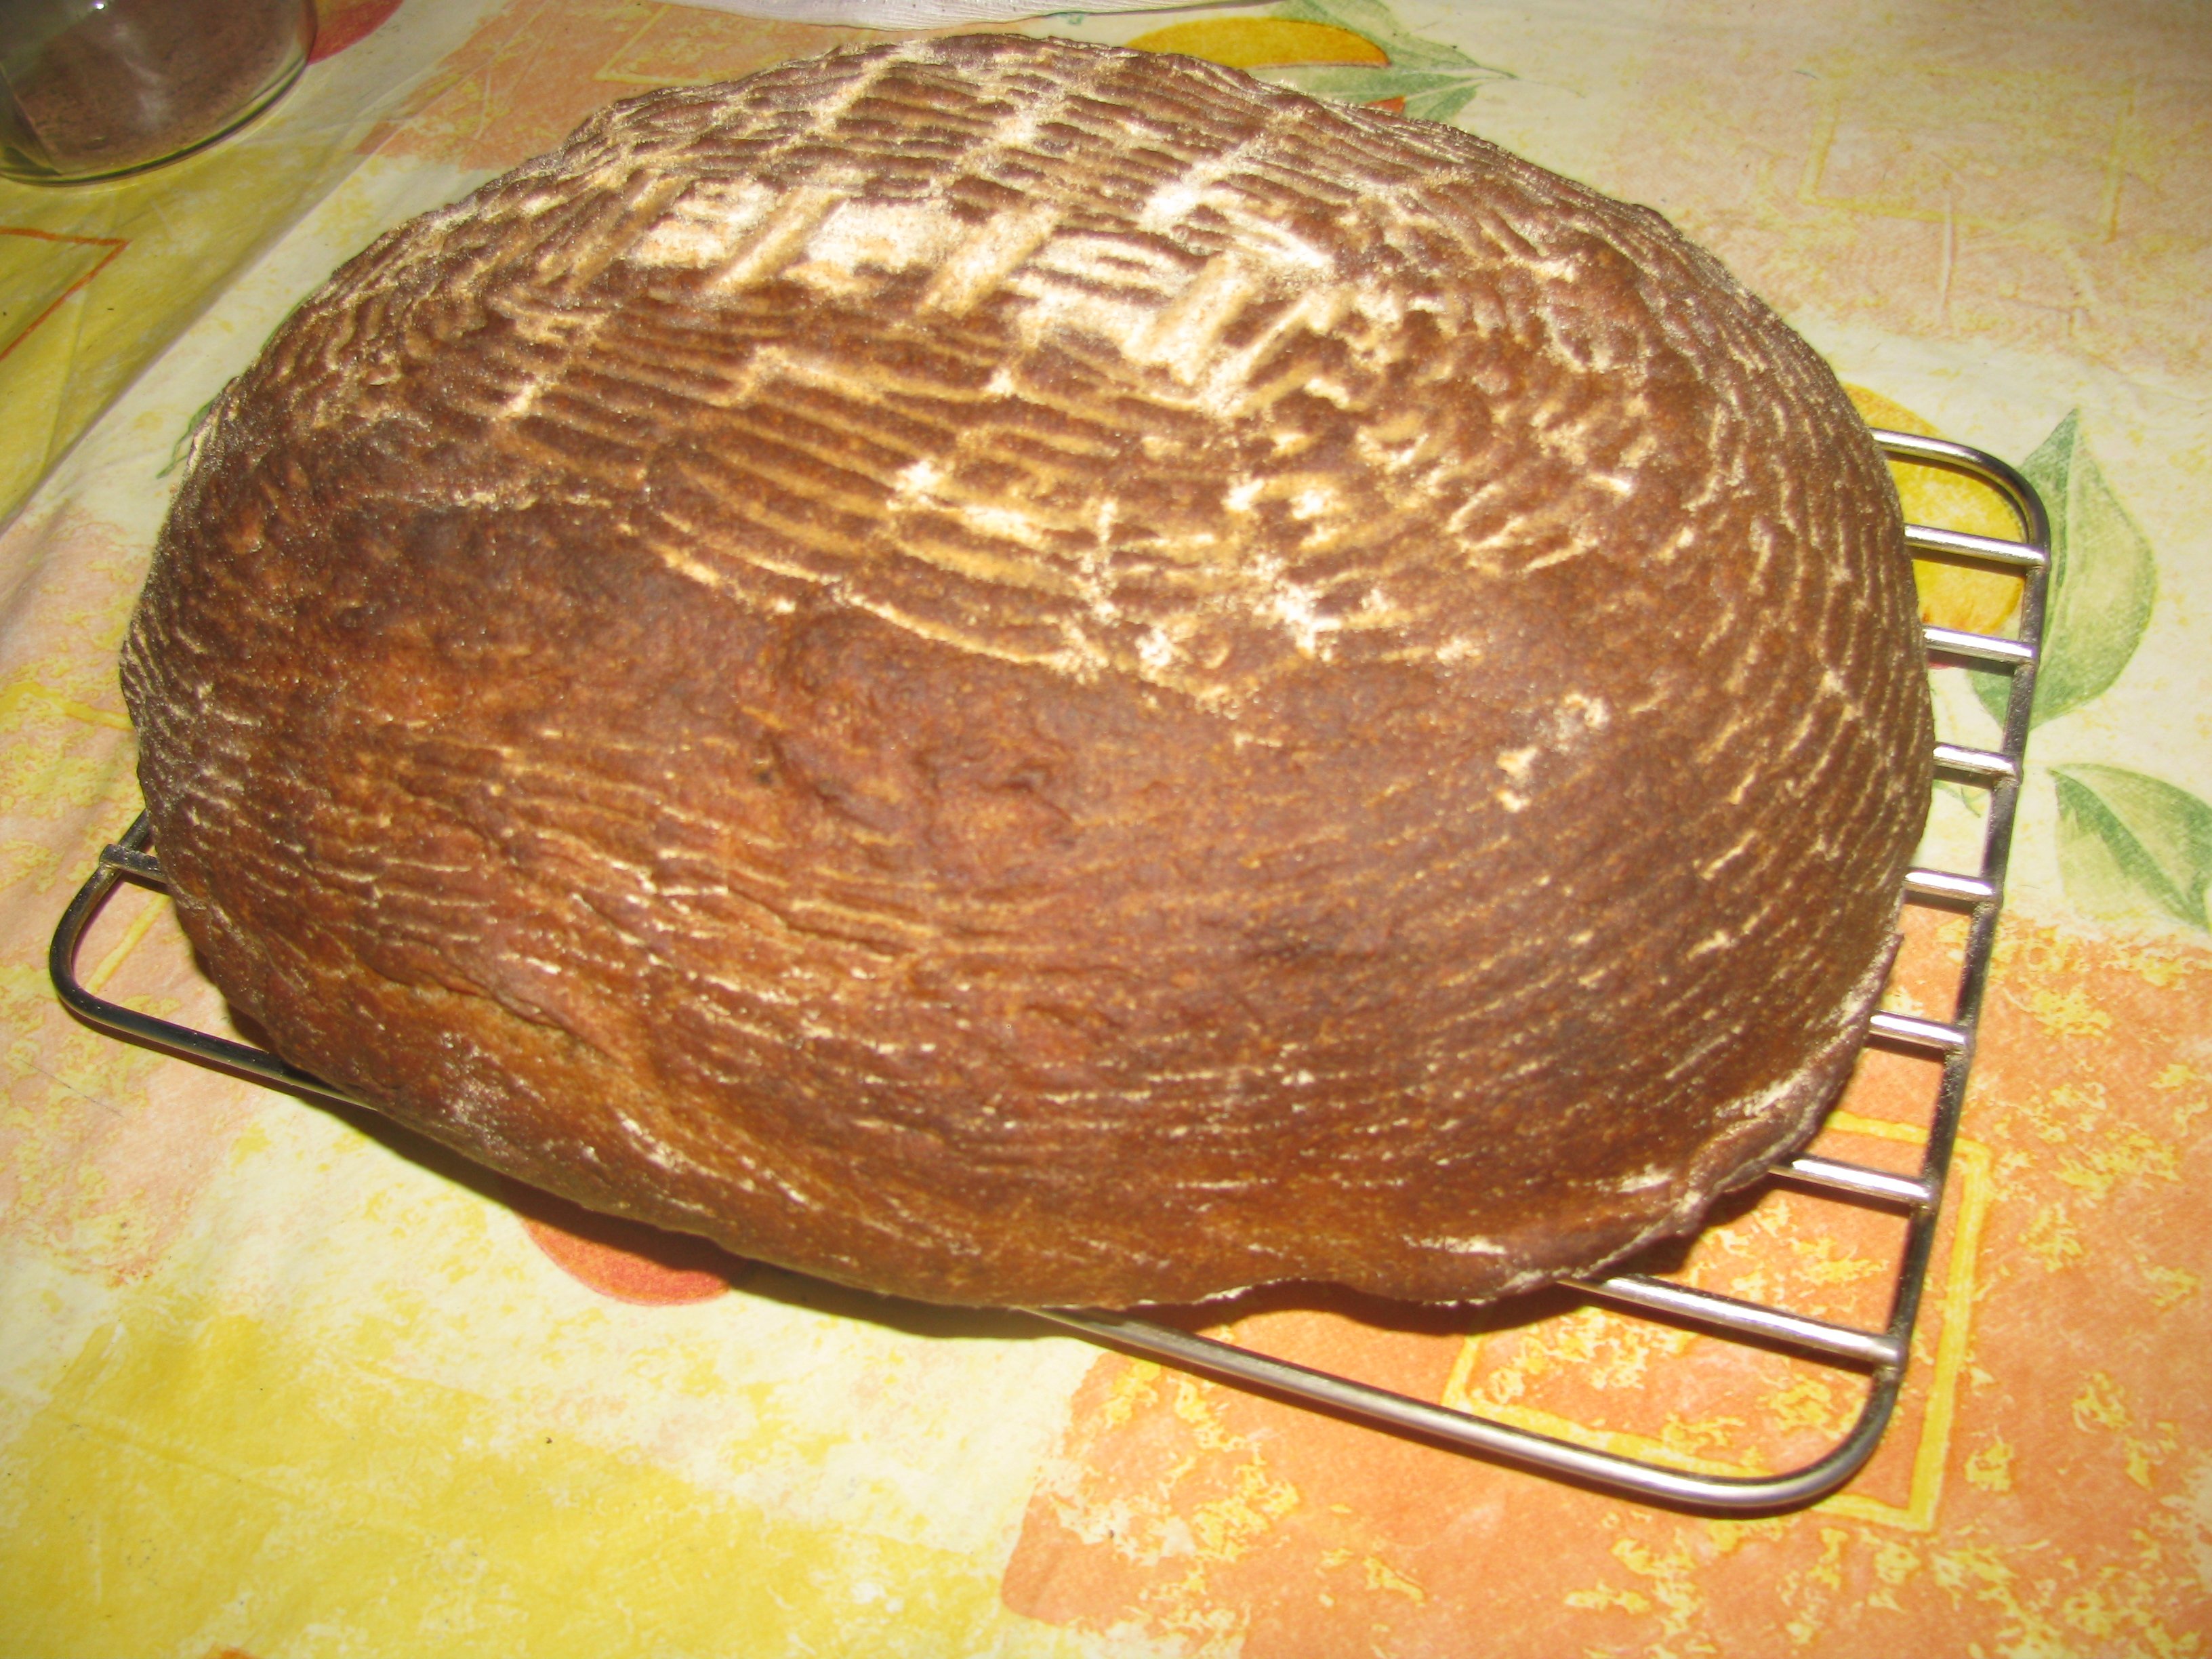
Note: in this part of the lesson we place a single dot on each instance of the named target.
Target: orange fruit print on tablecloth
(625, 1260)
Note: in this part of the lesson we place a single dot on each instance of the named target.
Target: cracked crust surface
(1023, 673)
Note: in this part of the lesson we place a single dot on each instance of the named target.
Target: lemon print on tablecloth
(1248, 43)
(1353, 51)
(1969, 597)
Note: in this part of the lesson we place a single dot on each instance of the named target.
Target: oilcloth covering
(277, 1380)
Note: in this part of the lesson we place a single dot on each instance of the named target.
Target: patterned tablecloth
(277, 1379)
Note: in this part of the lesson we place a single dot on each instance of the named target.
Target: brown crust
(1024, 673)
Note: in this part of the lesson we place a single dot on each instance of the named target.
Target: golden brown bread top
(1017, 672)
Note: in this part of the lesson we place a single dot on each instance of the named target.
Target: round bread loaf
(1013, 672)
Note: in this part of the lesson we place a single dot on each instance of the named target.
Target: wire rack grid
(1880, 1354)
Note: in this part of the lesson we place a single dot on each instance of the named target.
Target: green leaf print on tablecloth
(2124, 837)
(2102, 581)
(1435, 80)
(2129, 844)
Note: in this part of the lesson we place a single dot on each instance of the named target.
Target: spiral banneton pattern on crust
(1014, 672)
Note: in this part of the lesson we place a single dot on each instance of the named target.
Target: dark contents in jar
(133, 81)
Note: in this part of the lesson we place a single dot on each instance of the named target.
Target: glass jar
(90, 89)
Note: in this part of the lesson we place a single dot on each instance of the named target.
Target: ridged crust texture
(1022, 673)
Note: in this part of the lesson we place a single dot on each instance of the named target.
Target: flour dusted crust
(1024, 673)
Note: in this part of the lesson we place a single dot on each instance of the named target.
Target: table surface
(277, 1379)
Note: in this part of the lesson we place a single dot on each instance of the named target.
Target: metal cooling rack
(1882, 1353)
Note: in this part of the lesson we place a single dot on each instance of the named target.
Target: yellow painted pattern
(202, 1480)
